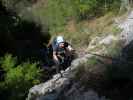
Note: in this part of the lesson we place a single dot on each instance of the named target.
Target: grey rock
(108, 40)
(52, 89)
(127, 26)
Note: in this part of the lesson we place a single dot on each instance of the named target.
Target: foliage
(54, 13)
(17, 78)
(83, 33)
(66, 10)
(85, 7)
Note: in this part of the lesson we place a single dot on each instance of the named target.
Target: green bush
(85, 7)
(18, 79)
(8, 62)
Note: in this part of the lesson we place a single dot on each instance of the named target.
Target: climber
(60, 48)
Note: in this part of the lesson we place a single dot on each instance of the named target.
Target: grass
(80, 34)
(50, 13)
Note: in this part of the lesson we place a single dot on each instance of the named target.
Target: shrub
(17, 78)
(85, 7)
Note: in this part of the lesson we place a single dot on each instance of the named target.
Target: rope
(111, 58)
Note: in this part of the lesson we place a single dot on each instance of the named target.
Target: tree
(17, 78)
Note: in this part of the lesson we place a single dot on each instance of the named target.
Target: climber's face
(61, 45)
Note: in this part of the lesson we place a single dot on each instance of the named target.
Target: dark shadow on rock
(122, 65)
(118, 84)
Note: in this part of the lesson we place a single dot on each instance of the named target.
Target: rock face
(62, 87)
(52, 89)
(127, 26)
(108, 40)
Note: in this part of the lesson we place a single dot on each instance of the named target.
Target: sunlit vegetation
(26, 27)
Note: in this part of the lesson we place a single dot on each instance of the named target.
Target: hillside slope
(86, 76)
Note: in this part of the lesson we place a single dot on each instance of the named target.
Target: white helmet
(59, 39)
